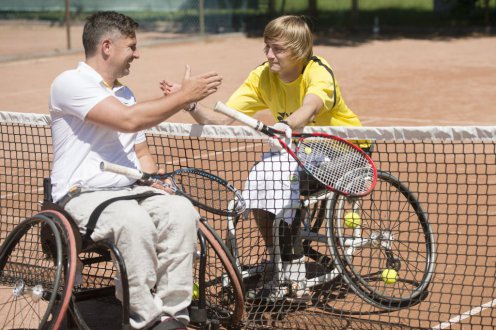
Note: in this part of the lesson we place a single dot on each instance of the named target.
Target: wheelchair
(47, 268)
(348, 243)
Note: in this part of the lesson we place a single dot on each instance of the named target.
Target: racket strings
(337, 164)
(208, 193)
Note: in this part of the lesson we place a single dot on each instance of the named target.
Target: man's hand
(164, 184)
(201, 86)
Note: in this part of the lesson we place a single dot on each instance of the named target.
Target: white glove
(275, 146)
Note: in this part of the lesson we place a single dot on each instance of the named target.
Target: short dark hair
(103, 23)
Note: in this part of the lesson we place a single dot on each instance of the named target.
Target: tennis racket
(205, 190)
(336, 163)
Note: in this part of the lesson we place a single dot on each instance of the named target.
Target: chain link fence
(188, 16)
(250, 16)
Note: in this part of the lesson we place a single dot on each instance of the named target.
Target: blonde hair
(294, 33)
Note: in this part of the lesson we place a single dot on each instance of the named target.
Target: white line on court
(461, 317)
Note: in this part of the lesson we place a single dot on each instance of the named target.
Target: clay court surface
(387, 81)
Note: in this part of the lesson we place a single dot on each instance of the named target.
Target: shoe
(299, 292)
(294, 272)
(291, 291)
(271, 291)
(254, 277)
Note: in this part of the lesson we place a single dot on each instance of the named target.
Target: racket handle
(119, 169)
(241, 117)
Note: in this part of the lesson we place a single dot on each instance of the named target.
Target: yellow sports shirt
(264, 90)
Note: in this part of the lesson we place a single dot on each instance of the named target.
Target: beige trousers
(157, 239)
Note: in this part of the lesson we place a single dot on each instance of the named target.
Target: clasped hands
(199, 86)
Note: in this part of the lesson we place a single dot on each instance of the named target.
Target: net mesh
(209, 192)
(430, 218)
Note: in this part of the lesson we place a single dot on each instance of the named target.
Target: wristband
(192, 107)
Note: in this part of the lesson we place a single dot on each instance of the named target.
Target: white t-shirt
(79, 145)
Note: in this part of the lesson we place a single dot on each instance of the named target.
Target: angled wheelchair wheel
(37, 267)
(383, 244)
(218, 285)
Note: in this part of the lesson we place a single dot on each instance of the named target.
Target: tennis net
(436, 199)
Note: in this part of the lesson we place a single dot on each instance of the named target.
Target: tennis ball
(352, 220)
(196, 291)
(308, 150)
(389, 276)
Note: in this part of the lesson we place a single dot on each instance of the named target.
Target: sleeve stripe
(318, 61)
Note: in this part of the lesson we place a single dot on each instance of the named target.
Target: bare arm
(206, 116)
(149, 164)
(147, 161)
(112, 113)
(306, 113)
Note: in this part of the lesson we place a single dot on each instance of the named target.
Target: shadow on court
(105, 314)
(100, 314)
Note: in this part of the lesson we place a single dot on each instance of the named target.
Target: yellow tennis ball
(389, 276)
(196, 291)
(352, 220)
(308, 150)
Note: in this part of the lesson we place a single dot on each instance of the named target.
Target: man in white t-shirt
(95, 118)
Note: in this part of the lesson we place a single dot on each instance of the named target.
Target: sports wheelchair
(47, 268)
(350, 242)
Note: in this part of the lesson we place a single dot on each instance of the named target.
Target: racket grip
(119, 169)
(241, 117)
